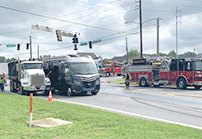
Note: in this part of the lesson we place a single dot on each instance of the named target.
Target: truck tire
(143, 82)
(11, 85)
(94, 92)
(46, 92)
(197, 87)
(22, 91)
(182, 83)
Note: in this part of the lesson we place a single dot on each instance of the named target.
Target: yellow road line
(161, 93)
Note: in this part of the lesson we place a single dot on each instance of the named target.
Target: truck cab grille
(37, 80)
(89, 84)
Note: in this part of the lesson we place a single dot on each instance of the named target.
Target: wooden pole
(30, 109)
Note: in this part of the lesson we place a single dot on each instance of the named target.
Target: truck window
(197, 65)
(33, 66)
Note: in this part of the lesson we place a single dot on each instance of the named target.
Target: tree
(2, 59)
(172, 54)
(133, 53)
(11, 60)
(188, 54)
(100, 57)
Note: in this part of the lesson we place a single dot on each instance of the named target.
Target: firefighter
(127, 79)
(2, 81)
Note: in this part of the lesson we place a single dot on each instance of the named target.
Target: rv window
(83, 68)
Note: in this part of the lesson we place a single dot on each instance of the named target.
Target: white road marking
(129, 113)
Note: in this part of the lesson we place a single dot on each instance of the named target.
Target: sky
(111, 21)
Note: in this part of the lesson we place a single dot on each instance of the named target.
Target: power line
(62, 20)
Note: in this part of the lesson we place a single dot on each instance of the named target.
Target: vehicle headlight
(25, 83)
(198, 75)
(97, 82)
(47, 80)
(77, 81)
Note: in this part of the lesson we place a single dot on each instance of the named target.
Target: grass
(88, 123)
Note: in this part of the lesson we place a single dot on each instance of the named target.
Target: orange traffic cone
(50, 96)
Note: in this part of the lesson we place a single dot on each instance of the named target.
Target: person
(2, 81)
(4, 75)
(127, 79)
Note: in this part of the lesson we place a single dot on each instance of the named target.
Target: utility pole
(140, 28)
(127, 49)
(177, 40)
(157, 37)
(30, 38)
(38, 52)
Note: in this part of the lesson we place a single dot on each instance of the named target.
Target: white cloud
(99, 20)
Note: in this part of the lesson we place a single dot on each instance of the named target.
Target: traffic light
(90, 44)
(75, 47)
(27, 46)
(18, 47)
(58, 33)
(75, 39)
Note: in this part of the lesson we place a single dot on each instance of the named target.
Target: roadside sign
(96, 41)
(67, 34)
(83, 43)
(10, 45)
(36, 27)
(92, 42)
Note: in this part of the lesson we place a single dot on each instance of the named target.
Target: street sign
(83, 43)
(10, 45)
(67, 34)
(96, 41)
(37, 27)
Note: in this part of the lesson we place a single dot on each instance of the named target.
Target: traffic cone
(50, 96)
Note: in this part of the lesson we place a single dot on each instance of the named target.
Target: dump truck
(28, 76)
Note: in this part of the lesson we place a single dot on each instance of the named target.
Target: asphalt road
(166, 104)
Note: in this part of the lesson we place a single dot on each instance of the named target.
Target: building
(90, 54)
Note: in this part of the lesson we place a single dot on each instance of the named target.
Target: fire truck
(164, 72)
(112, 68)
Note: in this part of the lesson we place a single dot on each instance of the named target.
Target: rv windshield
(83, 68)
(33, 66)
(198, 65)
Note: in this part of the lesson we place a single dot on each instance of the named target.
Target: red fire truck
(163, 72)
(112, 68)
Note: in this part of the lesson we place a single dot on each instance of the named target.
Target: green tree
(188, 54)
(172, 54)
(100, 57)
(11, 60)
(2, 59)
(133, 53)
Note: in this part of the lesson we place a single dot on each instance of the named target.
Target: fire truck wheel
(143, 82)
(197, 87)
(182, 84)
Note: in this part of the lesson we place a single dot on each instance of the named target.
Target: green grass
(88, 123)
